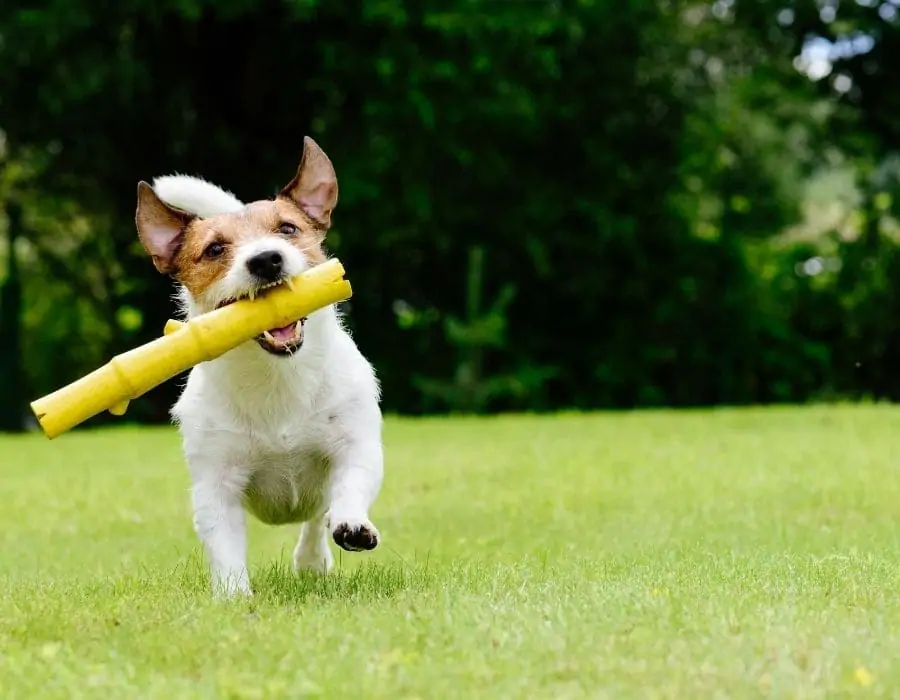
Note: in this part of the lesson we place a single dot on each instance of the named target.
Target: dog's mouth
(284, 340)
(277, 341)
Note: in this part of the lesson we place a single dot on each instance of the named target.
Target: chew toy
(185, 344)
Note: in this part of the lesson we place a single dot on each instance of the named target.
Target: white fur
(291, 439)
(196, 195)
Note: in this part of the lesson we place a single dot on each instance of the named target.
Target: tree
(12, 406)
(612, 175)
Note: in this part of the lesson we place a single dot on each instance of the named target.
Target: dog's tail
(195, 195)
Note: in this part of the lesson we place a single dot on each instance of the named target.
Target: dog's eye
(214, 250)
(287, 229)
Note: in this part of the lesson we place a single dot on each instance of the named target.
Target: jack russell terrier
(287, 426)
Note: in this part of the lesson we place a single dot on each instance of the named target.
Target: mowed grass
(730, 553)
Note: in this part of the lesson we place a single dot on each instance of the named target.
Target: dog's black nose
(266, 265)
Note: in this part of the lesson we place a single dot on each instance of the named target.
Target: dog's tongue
(285, 334)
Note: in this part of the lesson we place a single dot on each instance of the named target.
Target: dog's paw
(231, 588)
(355, 535)
(318, 560)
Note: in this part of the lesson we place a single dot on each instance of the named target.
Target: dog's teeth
(289, 282)
(252, 294)
(268, 336)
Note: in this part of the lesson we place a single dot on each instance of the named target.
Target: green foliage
(634, 174)
(470, 390)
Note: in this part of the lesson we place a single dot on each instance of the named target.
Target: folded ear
(314, 188)
(160, 227)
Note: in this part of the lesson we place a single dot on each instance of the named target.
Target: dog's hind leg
(312, 552)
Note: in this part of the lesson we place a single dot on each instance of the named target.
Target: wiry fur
(291, 439)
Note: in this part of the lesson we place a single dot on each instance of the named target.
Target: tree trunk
(12, 400)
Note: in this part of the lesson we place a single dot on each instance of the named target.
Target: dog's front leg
(355, 480)
(221, 527)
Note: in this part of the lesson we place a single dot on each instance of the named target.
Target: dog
(287, 426)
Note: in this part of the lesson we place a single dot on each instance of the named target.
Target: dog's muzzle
(277, 341)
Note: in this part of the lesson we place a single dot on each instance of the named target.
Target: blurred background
(543, 204)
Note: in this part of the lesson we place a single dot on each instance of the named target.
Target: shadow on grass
(279, 583)
(275, 583)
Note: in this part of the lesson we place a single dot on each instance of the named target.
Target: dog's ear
(314, 188)
(160, 227)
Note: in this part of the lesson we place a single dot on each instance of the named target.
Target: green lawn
(731, 554)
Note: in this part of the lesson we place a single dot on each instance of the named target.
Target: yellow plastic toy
(185, 344)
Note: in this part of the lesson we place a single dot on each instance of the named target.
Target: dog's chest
(288, 464)
(289, 439)
(279, 433)
(286, 487)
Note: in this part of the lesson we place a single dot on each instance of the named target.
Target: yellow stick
(185, 344)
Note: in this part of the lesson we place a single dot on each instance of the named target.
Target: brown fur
(177, 240)
(197, 272)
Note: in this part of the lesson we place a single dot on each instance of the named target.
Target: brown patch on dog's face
(210, 245)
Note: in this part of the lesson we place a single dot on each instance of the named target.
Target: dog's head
(225, 257)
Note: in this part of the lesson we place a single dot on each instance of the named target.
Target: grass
(731, 553)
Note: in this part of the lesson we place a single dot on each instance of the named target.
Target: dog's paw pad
(355, 537)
